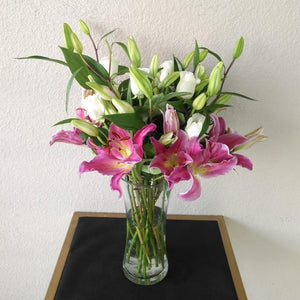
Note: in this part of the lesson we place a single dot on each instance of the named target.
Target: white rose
(114, 64)
(167, 68)
(134, 88)
(94, 107)
(194, 125)
(187, 84)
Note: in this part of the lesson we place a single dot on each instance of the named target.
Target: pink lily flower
(70, 136)
(235, 141)
(120, 155)
(172, 160)
(211, 161)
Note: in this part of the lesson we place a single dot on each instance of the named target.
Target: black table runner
(198, 268)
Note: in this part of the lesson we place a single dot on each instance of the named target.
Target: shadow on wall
(268, 266)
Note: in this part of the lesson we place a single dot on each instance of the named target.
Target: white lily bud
(94, 107)
(113, 67)
(187, 84)
(167, 68)
(194, 125)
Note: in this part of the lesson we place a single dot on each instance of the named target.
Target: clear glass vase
(145, 258)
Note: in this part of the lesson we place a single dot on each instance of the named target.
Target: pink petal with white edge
(70, 137)
(193, 192)
(215, 169)
(244, 161)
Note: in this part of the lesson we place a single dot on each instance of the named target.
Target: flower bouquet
(149, 129)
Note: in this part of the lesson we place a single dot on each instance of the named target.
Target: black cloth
(198, 268)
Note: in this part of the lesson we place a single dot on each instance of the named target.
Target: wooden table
(61, 275)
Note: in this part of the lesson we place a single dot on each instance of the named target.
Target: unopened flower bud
(187, 60)
(103, 90)
(141, 81)
(215, 80)
(153, 68)
(223, 99)
(199, 102)
(167, 68)
(169, 79)
(76, 43)
(167, 139)
(187, 84)
(86, 127)
(203, 54)
(84, 28)
(134, 52)
(238, 48)
(200, 72)
(67, 37)
(171, 121)
(122, 106)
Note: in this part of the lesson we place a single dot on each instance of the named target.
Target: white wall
(40, 186)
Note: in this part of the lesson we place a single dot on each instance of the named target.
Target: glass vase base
(148, 279)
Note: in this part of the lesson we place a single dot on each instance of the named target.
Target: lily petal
(244, 161)
(140, 135)
(193, 192)
(70, 137)
(215, 169)
(232, 139)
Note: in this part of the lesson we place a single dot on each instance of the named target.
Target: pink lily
(211, 161)
(120, 155)
(235, 141)
(70, 136)
(172, 161)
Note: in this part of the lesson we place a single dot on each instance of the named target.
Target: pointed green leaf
(124, 47)
(122, 70)
(196, 56)
(75, 62)
(69, 87)
(65, 121)
(126, 121)
(212, 53)
(205, 125)
(44, 58)
(238, 95)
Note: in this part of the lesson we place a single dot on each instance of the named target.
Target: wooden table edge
(236, 277)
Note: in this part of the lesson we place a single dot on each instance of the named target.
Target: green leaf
(102, 79)
(65, 121)
(212, 53)
(129, 121)
(107, 34)
(124, 47)
(178, 105)
(44, 58)
(238, 95)
(205, 125)
(128, 96)
(196, 56)
(122, 70)
(69, 87)
(75, 62)
(211, 108)
(175, 95)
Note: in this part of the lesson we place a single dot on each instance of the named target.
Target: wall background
(40, 187)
